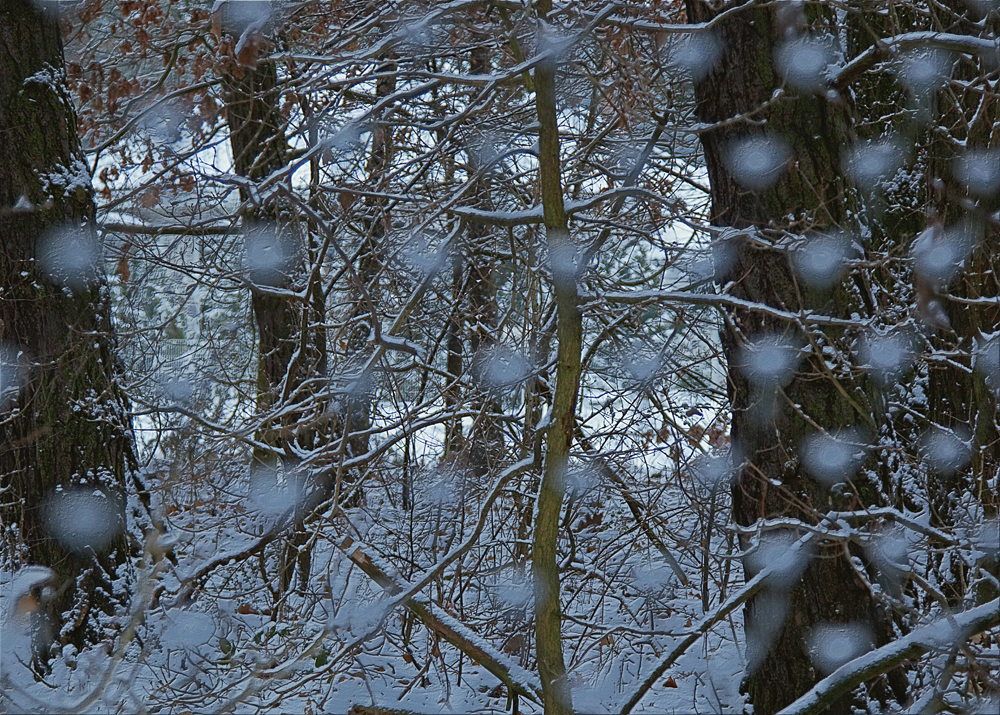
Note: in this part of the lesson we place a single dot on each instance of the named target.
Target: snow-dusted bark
(773, 141)
(67, 460)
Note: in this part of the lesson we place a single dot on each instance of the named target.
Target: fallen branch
(447, 627)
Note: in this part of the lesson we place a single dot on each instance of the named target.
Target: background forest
(500, 356)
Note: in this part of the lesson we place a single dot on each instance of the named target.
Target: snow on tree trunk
(67, 460)
(775, 176)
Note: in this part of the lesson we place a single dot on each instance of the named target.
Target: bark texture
(67, 456)
(803, 194)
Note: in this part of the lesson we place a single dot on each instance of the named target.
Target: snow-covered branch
(941, 635)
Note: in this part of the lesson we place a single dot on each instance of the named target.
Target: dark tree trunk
(66, 434)
(769, 424)
(486, 441)
(356, 417)
(291, 339)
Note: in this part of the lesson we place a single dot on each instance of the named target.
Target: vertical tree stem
(548, 613)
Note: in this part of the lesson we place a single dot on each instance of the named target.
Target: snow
(186, 630)
(83, 519)
(757, 162)
(21, 595)
(71, 257)
(804, 62)
(454, 543)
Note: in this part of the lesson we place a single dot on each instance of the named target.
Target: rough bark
(486, 442)
(768, 425)
(68, 426)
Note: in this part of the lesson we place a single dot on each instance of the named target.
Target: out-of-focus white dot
(82, 519)
(342, 141)
(483, 149)
(271, 255)
(869, 164)
(71, 257)
(833, 459)
(582, 479)
(501, 368)
(757, 162)
(13, 373)
(831, 645)
(979, 172)
(886, 357)
(987, 360)
(22, 590)
(820, 260)
(186, 630)
(770, 362)
(777, 551)
(515, 593)
(890, 552)
(651, 579)
(237, 17)
(692, 55)
(162, 122)
(987, 538)
(769, 611)
(555, 43)
(945, 452)
(642, 368)
(939, 254)
(804, 62)
(563, 259)
(425, 257)
(176, 389)
(923, 70)
(712, 471)
(273, 492)
(724, 256)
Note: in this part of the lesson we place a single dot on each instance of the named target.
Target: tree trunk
(67, 456)
(806, 193)
(486, 441)
(556, 692)
(291, 341)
